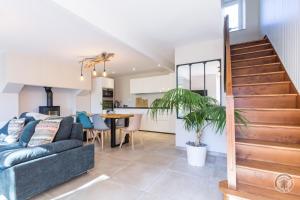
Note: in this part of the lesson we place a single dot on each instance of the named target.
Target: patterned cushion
(45, 132)
(14, 129)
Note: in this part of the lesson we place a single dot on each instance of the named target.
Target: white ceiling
(142, 33)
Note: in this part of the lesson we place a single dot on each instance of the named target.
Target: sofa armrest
(5, 147)
(64, 145)
(13, 157)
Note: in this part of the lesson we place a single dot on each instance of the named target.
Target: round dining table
(113, 118)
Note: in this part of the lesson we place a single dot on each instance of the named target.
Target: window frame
(190, 77)
(241, 14)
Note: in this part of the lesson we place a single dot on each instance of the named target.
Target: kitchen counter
(164, 123)
(133, 108)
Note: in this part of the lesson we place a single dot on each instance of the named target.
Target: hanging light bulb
(104, 73)
(81, 78)
(81, 74)
(94, 70)
(104, 70)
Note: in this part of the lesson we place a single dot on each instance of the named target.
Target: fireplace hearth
(49, 109)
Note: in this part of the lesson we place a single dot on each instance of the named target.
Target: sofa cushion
(65, 129)
(4, 129)
(6, 146)
(27, 118)
(45, 132)
(27, 133)
(77, 132)
(11, 158)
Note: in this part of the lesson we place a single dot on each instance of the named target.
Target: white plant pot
(196, 155)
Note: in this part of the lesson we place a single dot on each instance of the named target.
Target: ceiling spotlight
(133, 69)
(158, 65)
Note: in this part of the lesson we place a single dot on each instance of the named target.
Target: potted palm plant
(201, 112)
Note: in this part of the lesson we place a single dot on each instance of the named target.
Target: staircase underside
(268, 148)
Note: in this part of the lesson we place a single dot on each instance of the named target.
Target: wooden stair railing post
(230, 120)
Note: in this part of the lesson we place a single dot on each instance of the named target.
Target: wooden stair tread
(270, 109)
(257, 58)
(250, 66)
(255, 193)
(268, 83)
(259, 74)
(263, 95)
(271, 125)
(270, 167)
(249, 43)
(249, 46)
(252, 52)
(274, 145)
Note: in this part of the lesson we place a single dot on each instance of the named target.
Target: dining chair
(88, 126)
(99, 126)
(134, 127)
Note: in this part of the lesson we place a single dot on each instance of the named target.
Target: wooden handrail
(230, 118)
(228, 75)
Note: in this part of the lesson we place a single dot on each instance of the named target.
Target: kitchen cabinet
(154, 84)
(97, 92)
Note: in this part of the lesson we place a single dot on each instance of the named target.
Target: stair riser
(252, 55)
(251, 49)
(234, 46)
(259, 61)
(287, 117)
(276, 134)
(266, 102)
(266, 179)
(259, 79)
(256, 70)
(283, 88)
(268, 154)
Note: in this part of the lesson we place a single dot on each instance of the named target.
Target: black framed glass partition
(202, 77)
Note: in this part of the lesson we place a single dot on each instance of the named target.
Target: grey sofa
(28, 171)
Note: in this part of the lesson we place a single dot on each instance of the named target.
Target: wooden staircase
(269, 146)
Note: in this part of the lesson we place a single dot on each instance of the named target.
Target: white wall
(252, 31)
(42, 70)
(19, 69)
(196, 52)
(31, 97)
(9, 104)
(280, 21)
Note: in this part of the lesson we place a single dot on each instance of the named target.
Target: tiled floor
(155, 171)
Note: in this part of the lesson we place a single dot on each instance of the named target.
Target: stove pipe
(49, 96)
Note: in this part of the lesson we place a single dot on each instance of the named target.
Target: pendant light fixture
(94, 70)
(88, 63)
(81, 75)
(104, 74)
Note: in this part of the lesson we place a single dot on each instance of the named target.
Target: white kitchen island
(164, 123)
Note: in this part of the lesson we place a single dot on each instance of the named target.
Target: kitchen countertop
(133, 108)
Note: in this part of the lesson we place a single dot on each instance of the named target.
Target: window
(202, 77)
(236, 11)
